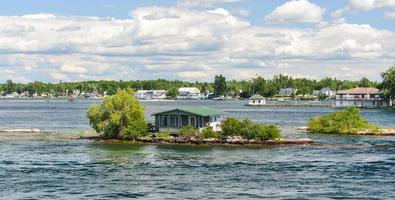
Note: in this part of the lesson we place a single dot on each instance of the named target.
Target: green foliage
(347, 121)
(163, 135)
(219, 85)
(388, 84)
(208, 132)
(120, 116)
(188, 131)
(249, 129)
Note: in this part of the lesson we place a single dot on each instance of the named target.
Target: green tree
(219, 85)
(364, 82)
(9, 87)
(388, 84)
(120, 116)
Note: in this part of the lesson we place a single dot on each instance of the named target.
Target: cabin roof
(257, 97)
(201, 111)
(360, 90)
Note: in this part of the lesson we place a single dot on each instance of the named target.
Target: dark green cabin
(197, 117)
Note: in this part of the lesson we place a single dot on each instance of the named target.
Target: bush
(249, 129)
(347, 121)
(208, 132)
(188, 131)
(163, 135)
(120, 116)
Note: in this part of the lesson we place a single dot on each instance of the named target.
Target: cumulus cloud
(296, 11)
(183, 43)
(371, 4)
(203, 3)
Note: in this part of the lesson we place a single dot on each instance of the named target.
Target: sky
(192, 40)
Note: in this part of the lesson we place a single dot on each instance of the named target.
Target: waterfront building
(361, 97)
(287, 92)
(189, 93)
(197, 117)
(151, 94)
(256, 100)
(327, 91)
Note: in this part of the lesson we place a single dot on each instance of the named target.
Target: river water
(338, 167)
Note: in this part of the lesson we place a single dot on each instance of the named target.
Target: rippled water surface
(338, 167)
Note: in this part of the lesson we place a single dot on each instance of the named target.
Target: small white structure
(328, 92)
(361, 97)
(189, 93)
(256, 100)
(150, 94)
(287, 92)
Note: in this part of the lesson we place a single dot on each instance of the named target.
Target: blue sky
(72, 40)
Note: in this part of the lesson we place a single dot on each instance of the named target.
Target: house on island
(328, 92)
(198, 117)
(192, 93)
(287, 92)
(361, 97)
(151, 94)
(256, 100)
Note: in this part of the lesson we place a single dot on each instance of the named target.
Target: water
(339, 167)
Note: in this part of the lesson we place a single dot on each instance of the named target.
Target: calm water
(337, 168)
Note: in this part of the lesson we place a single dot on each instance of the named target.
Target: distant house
(189, 93)
(198, 117)
(287, 92)
(327, 91)
(256, 100)
(361, 97)
(150, 94)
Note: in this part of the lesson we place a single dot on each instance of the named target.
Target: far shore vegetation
(221, 86)
(121, 116)
(347, 121)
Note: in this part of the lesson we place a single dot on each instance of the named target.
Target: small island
(121, 117)
(346, 122)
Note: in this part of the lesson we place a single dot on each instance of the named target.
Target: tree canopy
(388, 84)
(120, 116)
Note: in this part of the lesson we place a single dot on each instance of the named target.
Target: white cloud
(183, 43)
(296, 11)
(390, 15)
(203, 3)
(73, 69)
(371, 4)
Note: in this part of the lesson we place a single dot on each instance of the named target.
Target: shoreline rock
(236, 140)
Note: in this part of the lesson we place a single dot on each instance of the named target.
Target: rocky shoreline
(235, 140)
(380, 132)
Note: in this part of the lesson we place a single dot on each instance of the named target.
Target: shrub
(163, 135)
(208, 132)
(120, 116)
(188, 131)
(347, 121)
(249, 129)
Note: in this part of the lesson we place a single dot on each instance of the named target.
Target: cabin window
(192, 120)
(173, 121)
(374, 103)
(164, 121)
(184, 120)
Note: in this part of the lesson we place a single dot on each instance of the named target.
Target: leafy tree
(388, 84)
(219, 85)
(120, 116)
(364, 82)
(188, 131)
(9, 87)
(172, 93)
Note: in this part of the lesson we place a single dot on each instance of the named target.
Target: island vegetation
(347, 121)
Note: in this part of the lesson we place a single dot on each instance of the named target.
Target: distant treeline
(220, 86)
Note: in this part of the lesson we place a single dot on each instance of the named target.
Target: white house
(150, 94)
(286, 92)
(256, 100)
(328, 92)
(189, 93)
(361, 97)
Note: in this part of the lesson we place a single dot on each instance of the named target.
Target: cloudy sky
(72, 40)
